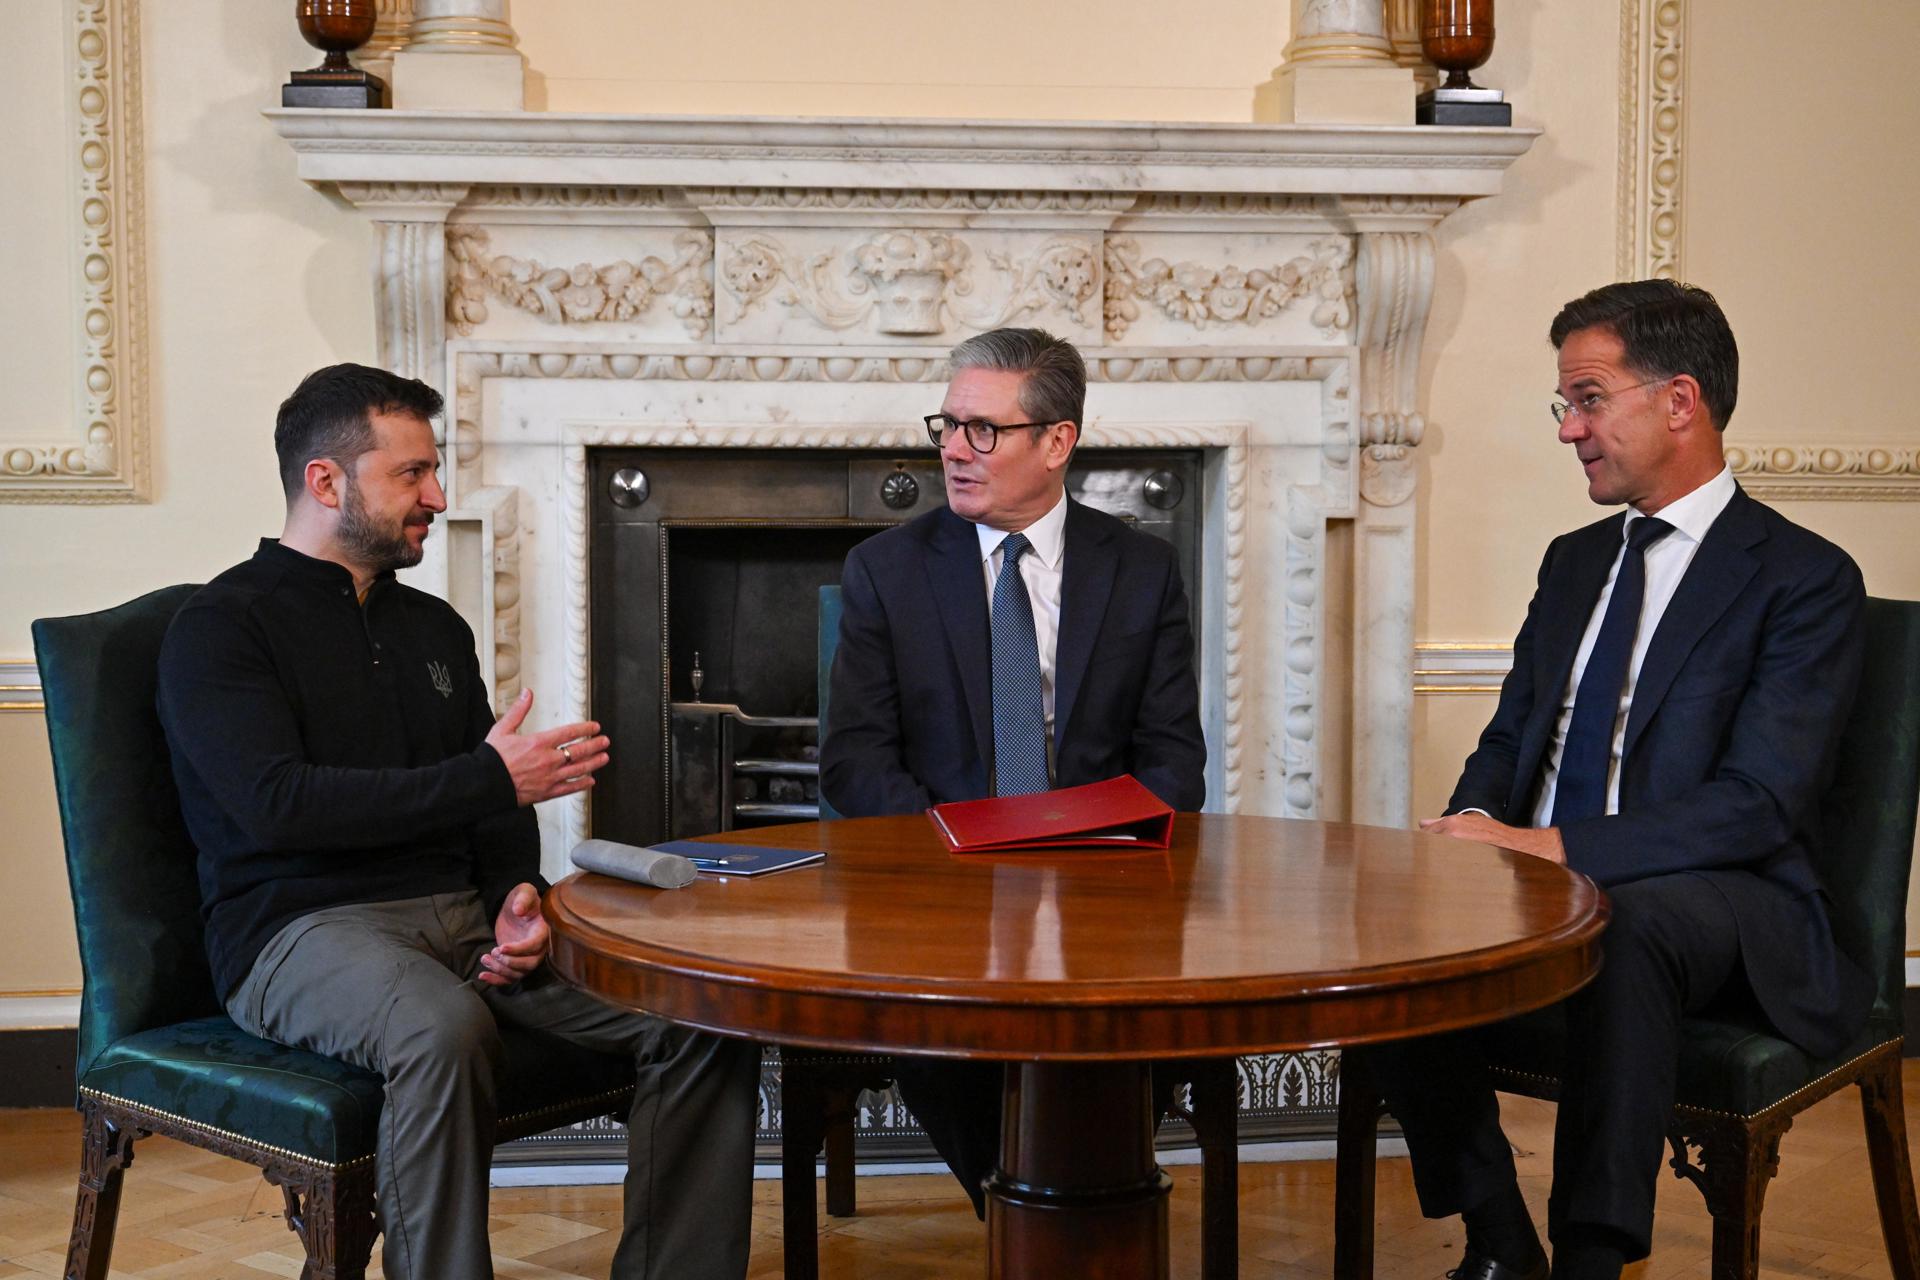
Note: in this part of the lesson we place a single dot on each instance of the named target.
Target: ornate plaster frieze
(581, 294)
(1884, 472)
(574, 199)
(101, 455)
(1652, 133)
(908, 282)
(853, 200)
(1201, 295)
(1218, 213)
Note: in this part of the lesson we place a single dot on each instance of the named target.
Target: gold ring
(568, 754)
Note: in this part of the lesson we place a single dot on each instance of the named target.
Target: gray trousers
(389, 987)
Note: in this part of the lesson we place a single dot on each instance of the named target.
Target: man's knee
(1658, 921)
(448, 1030)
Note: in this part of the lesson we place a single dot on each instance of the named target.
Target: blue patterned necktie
(1019, 715)
(1581, 791)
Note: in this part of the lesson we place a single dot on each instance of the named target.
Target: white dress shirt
(1667, 562)
(1041, 568)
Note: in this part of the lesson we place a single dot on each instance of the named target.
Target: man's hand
(1541, 842)
(520, 937)
(554, 762)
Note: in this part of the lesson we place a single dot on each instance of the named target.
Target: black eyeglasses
(981, 434)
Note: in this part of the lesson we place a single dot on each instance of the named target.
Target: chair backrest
(829, 641)
(1868, 812)
(136, 899)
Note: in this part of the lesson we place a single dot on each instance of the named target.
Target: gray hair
(1055, 386)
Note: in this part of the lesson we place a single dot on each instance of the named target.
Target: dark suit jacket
(1730, 740)
(912, 707)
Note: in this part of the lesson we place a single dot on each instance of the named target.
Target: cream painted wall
(256, 278)
(1014, 59)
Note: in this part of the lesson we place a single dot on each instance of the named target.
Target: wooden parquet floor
(194, 1216)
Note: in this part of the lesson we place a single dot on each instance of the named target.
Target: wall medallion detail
(581, 294)
(1200, 295)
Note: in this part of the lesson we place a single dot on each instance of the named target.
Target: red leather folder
(1118, 813)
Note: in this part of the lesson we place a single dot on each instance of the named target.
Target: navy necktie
(1019, 715)
(1581, 790)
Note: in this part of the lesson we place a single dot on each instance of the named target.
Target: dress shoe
(1478, 1266)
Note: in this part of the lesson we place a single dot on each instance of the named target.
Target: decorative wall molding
(855, 200)
(1201, 295)
(910, 282)
(1653, 68)
(580, 294)
(101, 456)
(1883, 472)
(1460, 666)
(20, 687)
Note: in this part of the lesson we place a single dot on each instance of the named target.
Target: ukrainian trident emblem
(442, 678)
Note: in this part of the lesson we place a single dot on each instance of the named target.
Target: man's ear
(325, 482)
(1686, 407)
(1060, 444)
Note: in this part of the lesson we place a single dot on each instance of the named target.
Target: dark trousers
(1672, 948)
(958, 1104)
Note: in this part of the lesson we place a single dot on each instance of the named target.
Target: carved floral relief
(580, 294)
(1201, 295)
(910, 282)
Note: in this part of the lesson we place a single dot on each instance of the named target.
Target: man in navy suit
(1677, 692)
(933, 700)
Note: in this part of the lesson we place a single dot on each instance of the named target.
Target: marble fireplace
(1255, 294)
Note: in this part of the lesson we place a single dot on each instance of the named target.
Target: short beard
(370, 545)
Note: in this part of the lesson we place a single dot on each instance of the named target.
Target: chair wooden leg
(1737, 1160)
(802, 1112)
(334, 1216)
(1216, 1123)
(106, 1149)
(1886, 1120)
(837, 1139)
(1355, 1135)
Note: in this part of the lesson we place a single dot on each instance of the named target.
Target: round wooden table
(1077, 967)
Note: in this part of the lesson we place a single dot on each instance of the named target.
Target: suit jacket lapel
(1566, 606)
(1721, 568)
(959, 585)
(1090, 562)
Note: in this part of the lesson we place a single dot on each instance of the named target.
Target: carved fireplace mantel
(1258, 292)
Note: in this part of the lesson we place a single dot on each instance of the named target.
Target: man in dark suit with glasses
(1677, 694)
(1013, 641)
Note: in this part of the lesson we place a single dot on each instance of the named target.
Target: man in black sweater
(369, 860)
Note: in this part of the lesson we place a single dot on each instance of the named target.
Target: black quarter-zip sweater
(331, 752)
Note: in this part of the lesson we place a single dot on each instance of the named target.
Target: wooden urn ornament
(1457, 36)
(337, 27)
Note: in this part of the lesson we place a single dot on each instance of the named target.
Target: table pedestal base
(1078, 1192)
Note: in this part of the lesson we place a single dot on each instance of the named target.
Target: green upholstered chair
(156, 1052)
(820, 1090)
(1740, 1087)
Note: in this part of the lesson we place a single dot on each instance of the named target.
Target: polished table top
(1250, 934)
